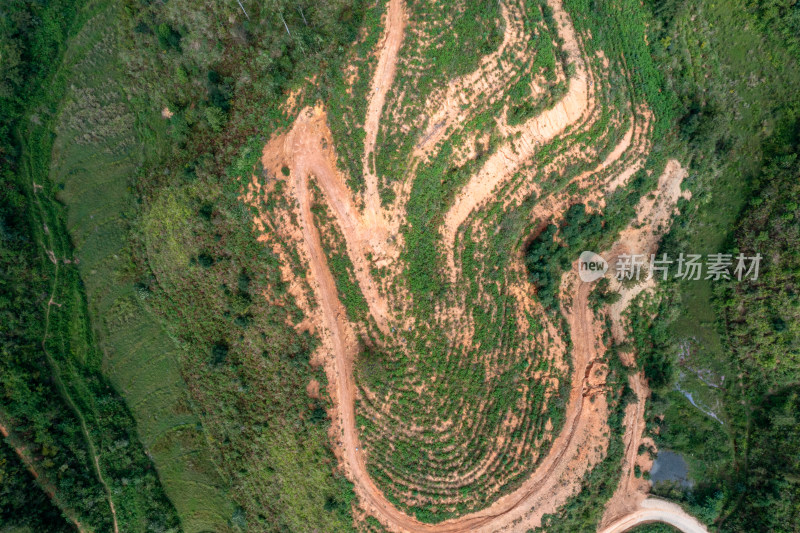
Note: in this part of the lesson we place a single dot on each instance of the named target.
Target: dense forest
(22, 503)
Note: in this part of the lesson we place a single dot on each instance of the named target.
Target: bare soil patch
(372, 241)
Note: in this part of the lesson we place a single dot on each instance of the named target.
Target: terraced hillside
(463, 398)
(298, 266)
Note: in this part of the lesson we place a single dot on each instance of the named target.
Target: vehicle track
(56, 372)
(384, 76)
(44, 484)
(656, 510)
(536, 132)
(306, 150)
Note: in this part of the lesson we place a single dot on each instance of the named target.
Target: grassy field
(723, 133)
(96, 155)
(173, 340)
(89, 456)
(732, 105)
(197, 263)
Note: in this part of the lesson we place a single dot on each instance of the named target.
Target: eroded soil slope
(459, 399)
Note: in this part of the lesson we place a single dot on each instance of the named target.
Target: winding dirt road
(306, 149)
(384, 76)
(655, 510)
(536, 132)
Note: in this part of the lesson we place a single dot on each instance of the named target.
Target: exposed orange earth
(372, 239)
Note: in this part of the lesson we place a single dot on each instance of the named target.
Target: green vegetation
(452, 378)
(548, 258)
(760, 327)
(199, 267)
(551, 252)
(97, 115)
(430, 58)
(654, 528)
(347, 106)
(155, 363)
(339, 262)
(722, 359)
(96, 154)
(24, 507)
(771, 493)
(201, 270)
(56, 401)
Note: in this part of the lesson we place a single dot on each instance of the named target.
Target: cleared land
(432, 486)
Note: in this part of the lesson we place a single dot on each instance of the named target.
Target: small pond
(670, 466)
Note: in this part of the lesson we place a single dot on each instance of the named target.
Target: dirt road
(307, 151)
(381, 82)
(304, 160)
(536, 132)
(559, 473)
(655, 510)
(45, 485)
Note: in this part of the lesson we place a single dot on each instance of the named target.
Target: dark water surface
(670, 466)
